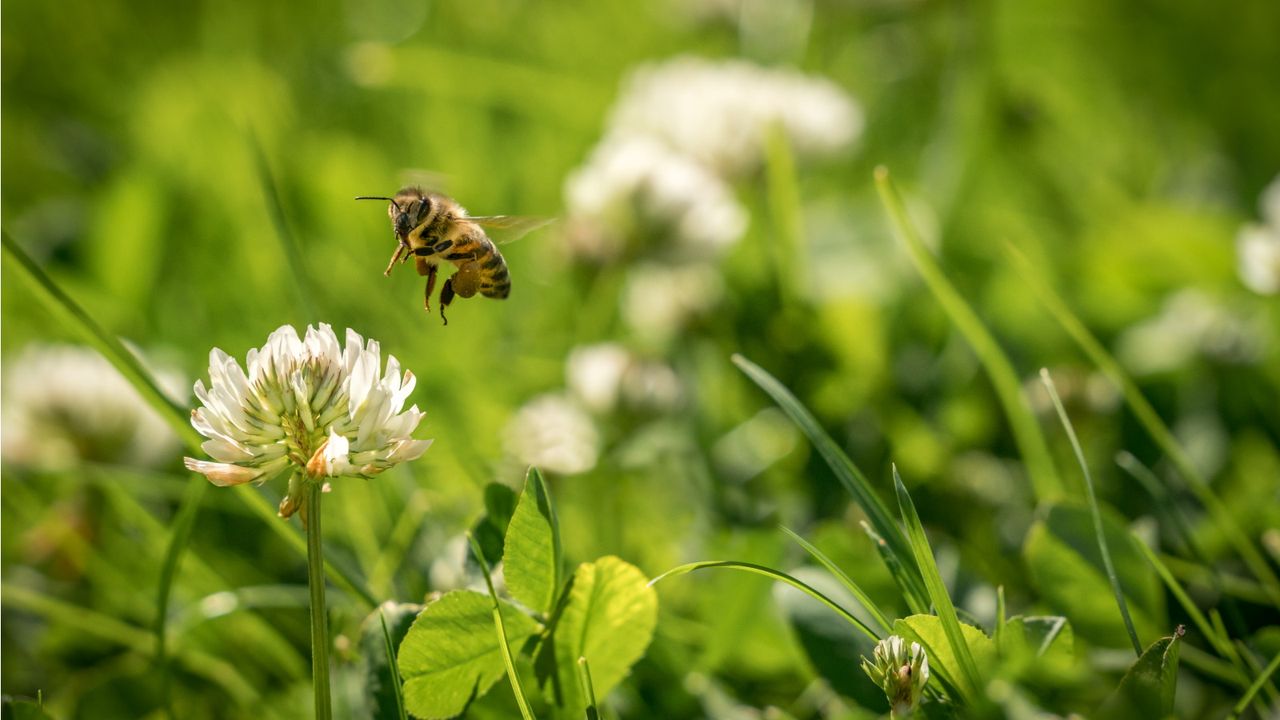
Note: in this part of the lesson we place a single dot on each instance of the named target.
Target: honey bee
(432, 227)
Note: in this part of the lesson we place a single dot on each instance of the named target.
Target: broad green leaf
(1063, 560)
(531, 560)
(379, 686)
(1040, 635)
(609, 619)
(451, 653)
(1040, 649)
(928, 631)
(490, 530)
(1147, 689)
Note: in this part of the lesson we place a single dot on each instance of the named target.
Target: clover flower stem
(319, 612)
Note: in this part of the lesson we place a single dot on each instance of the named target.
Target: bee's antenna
(374, 197)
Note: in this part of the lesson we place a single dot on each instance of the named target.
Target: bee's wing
(423, 178)
(510, 227)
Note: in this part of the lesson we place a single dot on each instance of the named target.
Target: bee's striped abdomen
(495, 281)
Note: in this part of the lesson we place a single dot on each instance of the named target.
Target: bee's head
(407, 208)
(411, 207)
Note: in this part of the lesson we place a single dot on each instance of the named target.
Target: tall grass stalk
(1026, 431)
(1151, 421)
(1094, 512)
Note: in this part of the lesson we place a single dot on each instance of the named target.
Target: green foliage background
(1119, 145)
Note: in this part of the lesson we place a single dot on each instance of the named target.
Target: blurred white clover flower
(901, 671)
(66, 402)
(718, 111)
(659, 300)
(606, 375)
(636, 185)
(310, 404)
(555, 434)
(1191, 323)
(1258, 245)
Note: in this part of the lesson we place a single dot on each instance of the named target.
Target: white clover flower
(901, 671)
(553, 433)
(606, 375)
(1258, 245)
(719, 111)
(66, 402)
(658, 300)
(323, 409)
(594, 375)
(636, 186)
(1191, 323)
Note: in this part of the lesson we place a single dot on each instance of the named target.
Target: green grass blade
(128, 365)
(588, 690)
(1026, 431)
(876, 613)
(1093, 510)
(787, 240)
(972, 680)
(1171, 516)
(1150, 420)
(110, 629)
(1257, 685)
(124, 361)
(848, 473)
(1243, 651)
(397, 682)
(775, 575)
(501, 628)
(1001, 618)
(1220, 643)
(1210, 666)
(289, 245)
(183, 523)
(916, 598)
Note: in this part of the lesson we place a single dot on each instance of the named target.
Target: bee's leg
(394, 257)
(431, 285)
(446, 297)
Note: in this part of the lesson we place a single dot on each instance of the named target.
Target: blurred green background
(159, 158)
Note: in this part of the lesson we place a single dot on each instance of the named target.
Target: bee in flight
(432, 228)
